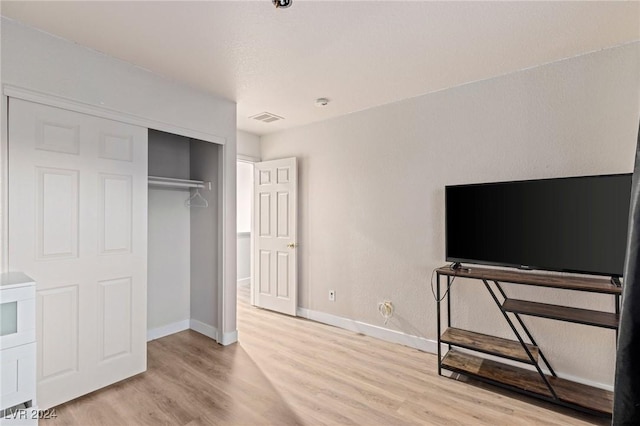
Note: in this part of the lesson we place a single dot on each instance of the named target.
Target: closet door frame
(226, 309)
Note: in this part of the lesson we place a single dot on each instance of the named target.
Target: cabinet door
(78, 227)
(17, 371)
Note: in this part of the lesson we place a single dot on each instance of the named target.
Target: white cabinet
(17, 310)
(17, 349)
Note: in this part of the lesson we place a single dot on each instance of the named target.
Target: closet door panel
(56, 213)
(58, 134)
(114, 318)
(116, 147)
(115, 213)
(58, 337)
(78, 226)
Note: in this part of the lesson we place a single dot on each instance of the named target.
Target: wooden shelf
(492, 345)
(594, 285)
(524, 380)
(562, 313)
(576, 395)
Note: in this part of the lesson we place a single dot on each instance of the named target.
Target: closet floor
(293, 371)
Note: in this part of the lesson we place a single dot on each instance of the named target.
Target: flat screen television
(575, 224)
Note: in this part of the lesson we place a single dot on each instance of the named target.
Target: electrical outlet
(386, 310)
(332, 295)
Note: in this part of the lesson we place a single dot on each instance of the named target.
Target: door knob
(291, 245)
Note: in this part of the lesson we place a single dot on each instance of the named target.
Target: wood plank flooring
(290, 371)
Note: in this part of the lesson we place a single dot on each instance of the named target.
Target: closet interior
(183, 239)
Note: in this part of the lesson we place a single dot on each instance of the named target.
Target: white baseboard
(244, 282)
(165, 330)
(195, 325)
(416, 342)
(229, 338)
(213, 333)
(204, 329)
(381, 333)
(585, 382)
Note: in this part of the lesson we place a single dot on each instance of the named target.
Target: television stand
(531, 381)
(457, 266)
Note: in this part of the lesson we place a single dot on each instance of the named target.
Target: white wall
(248, 145)
(244, 197)
(248, 149)
(34, 60)
(371, 199)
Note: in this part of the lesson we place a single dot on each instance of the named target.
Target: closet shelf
(176, 183)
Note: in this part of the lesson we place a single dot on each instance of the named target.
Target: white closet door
(78, 226)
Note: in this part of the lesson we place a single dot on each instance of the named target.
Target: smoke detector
(322, 102)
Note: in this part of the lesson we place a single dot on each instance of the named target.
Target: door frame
(227, 281)
(241, 158)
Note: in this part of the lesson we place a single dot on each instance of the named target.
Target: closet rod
(177, 183)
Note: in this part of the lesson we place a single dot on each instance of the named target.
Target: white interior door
(78, 226)
(274, 281)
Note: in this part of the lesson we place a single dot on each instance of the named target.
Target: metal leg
(438, 322)
(524, 345)
(449, 304)
(544, 358)
(617, 296)
(526, 330)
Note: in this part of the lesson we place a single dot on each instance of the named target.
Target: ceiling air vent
(267, 117)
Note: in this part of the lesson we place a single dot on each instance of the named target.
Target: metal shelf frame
(522, 334)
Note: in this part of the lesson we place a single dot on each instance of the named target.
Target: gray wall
(183, 241)
(372, 192)
(169, 234)
(244, 257)
(168, 264)
(168, 155)
(205, 241)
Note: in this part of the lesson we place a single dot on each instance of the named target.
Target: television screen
(576, 224)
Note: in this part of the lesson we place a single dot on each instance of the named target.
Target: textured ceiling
(357, 54)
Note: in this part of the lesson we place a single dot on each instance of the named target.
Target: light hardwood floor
(293, 371)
